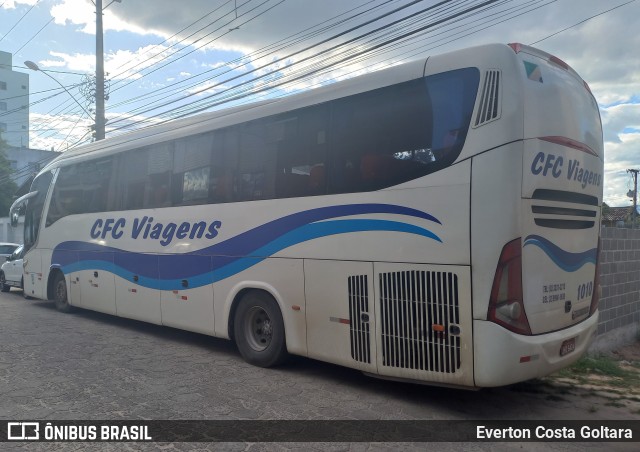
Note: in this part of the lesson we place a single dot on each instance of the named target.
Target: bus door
(32, 261)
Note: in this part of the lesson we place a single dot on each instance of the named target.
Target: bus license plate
(568, 346)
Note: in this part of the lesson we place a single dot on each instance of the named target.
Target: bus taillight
(506, 306)
(595, 297)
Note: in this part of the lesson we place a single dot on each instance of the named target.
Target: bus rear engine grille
(359, 318)
(419, 320)
(581, 213)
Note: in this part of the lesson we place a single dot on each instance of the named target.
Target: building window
(3, 85)
(3, 127)
(3, 106)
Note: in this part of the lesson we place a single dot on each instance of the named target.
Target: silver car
(6, 249)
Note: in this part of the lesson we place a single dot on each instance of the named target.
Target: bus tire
(259, 330)
(60, 294)
(3, 283)
(24, 292)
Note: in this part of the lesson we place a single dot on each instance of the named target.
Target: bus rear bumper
(502, 357)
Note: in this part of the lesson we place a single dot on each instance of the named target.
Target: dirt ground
(599, 385)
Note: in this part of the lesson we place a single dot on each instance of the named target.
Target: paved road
(92, 366)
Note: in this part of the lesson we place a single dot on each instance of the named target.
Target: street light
(34, 67)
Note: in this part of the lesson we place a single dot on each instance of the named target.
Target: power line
(581, 22)
(284, 58)
(33, 37)
(243, 60)
(359, 54)
(19, 20)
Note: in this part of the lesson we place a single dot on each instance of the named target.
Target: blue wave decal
(227, 258)
(567, 261)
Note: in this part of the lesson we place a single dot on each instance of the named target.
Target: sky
(167, 59)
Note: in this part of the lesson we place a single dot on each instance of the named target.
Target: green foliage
(7, 186)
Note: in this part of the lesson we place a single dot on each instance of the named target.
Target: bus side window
(224, 160)
(157, 191)
(257, 162)
(82, 188)
(302, 152)
(191, 179)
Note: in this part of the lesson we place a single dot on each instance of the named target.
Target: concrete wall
(620, 281)
(9, 234)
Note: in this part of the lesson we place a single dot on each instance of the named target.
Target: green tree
(7, 186)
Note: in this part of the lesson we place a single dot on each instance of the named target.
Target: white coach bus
(433, 222)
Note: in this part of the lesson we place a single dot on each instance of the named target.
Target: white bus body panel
(137, 302)
(511, 358)
(495, 216)
(340, 313)
(562, 188)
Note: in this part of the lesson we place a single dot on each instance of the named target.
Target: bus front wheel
(259, 330)
(60, 293)
(4, 287)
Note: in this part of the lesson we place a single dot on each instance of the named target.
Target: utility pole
(100, 120)
(635, 196)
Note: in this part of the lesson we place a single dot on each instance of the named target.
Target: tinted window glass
(257, 161)
(35, 205)
(145, 177)
(192, 176)
(224, 166)
(7, 249)
(82, 188)
(301, 142)
(391, 135)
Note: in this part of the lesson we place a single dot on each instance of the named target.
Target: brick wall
(620, 282)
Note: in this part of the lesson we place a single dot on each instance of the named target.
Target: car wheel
(60, 294)
(259, 330)
(3, 283)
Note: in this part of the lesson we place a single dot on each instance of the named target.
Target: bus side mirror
(18, 207)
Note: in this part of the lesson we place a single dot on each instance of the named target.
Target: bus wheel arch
(57, 290)
(256, 324)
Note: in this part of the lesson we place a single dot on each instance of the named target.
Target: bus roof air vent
(489, 107)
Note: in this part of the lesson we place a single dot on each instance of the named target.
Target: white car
(11, 271)
(6, 249)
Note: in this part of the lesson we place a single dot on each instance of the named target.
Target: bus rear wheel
(60, 294)
(259, 330)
